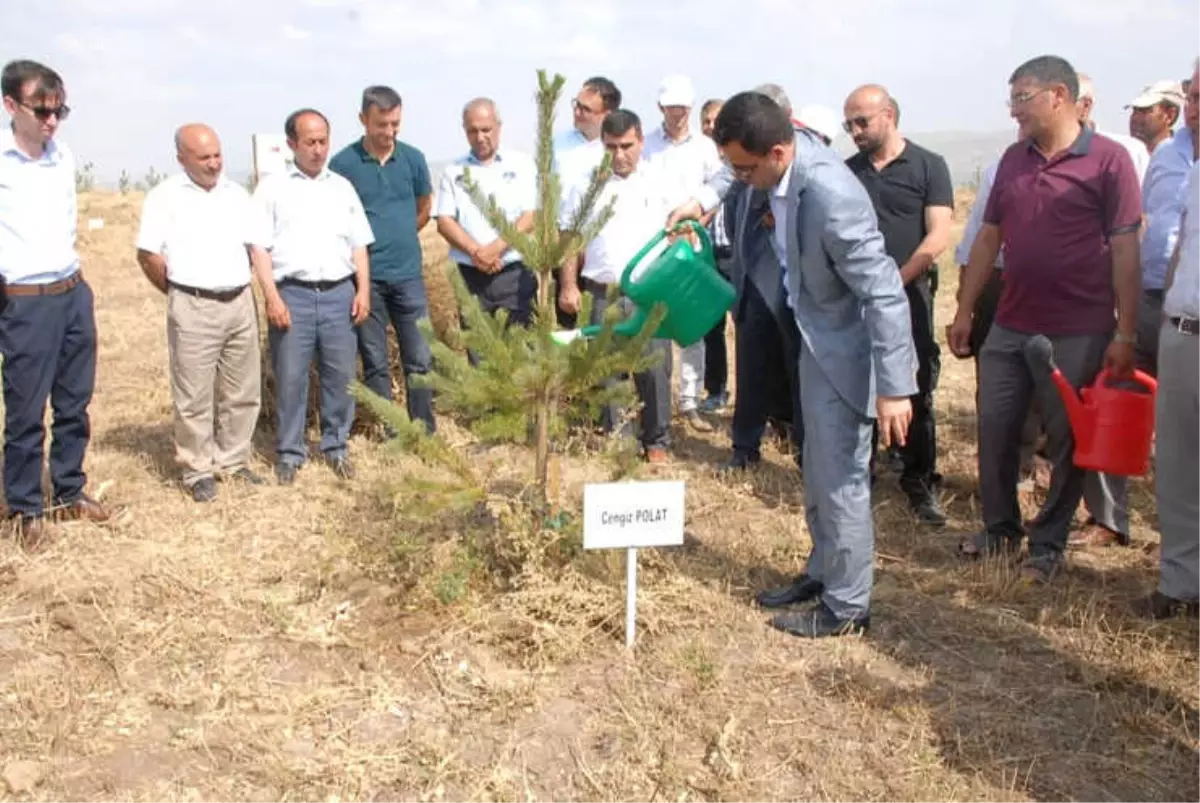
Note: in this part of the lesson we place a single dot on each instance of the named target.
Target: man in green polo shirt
(392, 180)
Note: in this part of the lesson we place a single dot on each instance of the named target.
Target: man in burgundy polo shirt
(1066, 206)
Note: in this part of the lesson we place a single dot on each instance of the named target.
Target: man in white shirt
(578, 152)
(490, 267)
(47, 325)
(686, 161)
(1177, 470)
(1137, 150)
(317, 288)
(198, 233)
(642, 203)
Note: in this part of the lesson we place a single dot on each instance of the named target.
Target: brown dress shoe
(1095, 536)
(85, 507)
(33, 534)
(657, 455)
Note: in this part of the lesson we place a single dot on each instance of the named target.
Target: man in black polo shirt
(913, 197)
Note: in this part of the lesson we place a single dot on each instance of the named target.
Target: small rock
(21, 777)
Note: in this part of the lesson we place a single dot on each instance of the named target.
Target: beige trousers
(215, 381)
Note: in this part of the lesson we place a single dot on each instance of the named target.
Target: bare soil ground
(266, 647)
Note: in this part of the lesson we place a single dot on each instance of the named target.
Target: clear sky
(135, 69)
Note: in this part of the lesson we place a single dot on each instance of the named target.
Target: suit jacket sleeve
(852, 240)
(715, 189)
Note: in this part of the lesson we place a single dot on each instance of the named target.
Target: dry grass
(277, 644)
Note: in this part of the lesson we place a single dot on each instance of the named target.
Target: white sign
(628, 515)
(271, 154)
(632, 514)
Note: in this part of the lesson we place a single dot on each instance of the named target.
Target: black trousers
(513, 288)
(767, 358)
(920, 448)
(49, 348)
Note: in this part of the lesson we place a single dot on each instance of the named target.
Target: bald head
(199, 151)
(1087, 98)
(870, 117)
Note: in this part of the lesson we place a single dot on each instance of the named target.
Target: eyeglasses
(856, 122)
(1024, 97)
(44, 113)
(579, 107)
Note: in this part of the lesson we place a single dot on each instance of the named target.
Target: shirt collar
(666, 138)
(296, 172)
(1182, 141)
(471, 159)
(366, 156)
(1080, 147)
(8, 144)
(781, 189)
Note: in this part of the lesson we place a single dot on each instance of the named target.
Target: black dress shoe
(342, 467)
(820, 622)
(246, 475)
(204, 490)
(928, 510)
(802, 590)
(740, 462)
(285, 473)
(1159, 606)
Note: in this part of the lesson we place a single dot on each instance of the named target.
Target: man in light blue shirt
(490, 267)
(1163, 200)
(47, 323)
(317, 290)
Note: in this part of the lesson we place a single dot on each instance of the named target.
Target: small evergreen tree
(524, 385)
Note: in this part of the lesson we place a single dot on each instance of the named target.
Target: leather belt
(320, 287)
(1187, 326)
(51, 289)
(593, 286)
(211, 295)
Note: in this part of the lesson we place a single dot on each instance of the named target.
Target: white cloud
(295, 34)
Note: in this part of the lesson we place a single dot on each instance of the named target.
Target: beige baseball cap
(1159, 92)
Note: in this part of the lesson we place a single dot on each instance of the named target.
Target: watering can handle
(1141, 377)
(705, 249)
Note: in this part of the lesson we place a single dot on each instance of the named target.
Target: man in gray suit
(857, 360)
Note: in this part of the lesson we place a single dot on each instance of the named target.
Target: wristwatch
(1126, 339)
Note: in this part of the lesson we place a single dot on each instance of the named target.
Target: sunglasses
(44, 113)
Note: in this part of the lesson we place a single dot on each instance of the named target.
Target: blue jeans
(403, 302)
(49, 348)
(321, 326)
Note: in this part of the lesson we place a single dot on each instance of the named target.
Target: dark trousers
(767, 356)
(716, 357)
(321, 327)
(1149, 323)
(49, 349)
(653, 386)
(566, 320)
(513, 288)
(716, 360)
(404, 303)
(920, 447)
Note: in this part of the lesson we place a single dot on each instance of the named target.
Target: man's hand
(482, 259)
(360, 309)
(689, 211)
(492, 254)
(569, 299)
(958, 335)
(277, 313)
(1118, 360)
(894, 415)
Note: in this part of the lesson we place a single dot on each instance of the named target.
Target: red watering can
(1113, 427)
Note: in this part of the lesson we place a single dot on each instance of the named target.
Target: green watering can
(695, 294)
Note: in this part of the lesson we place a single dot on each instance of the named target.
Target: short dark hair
(382, 97)
(1049, 70)
(18, 73)
(708, 104)
(618, 123)
(610, 96)
(754, 121)
(289, 125)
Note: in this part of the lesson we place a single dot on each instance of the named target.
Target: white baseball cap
(1159, 92)
(821, 119)
(676, 90)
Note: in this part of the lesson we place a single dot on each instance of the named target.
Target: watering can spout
(1078, 414)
